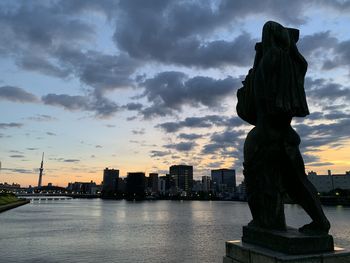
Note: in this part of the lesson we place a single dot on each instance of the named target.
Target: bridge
(54, 196)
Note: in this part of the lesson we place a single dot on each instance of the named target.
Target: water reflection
(120, 231)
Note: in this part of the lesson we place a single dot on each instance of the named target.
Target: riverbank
(9, 201)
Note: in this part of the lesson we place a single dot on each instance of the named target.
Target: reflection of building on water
(329, 182)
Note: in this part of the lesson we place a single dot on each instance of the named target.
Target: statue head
(276, 35)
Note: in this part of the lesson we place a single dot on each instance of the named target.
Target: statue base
(238, 252)
(289, 242)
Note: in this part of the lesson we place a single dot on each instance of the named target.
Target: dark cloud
(51, 133)
(332, 52)
(313, 43)
(32, 149)
(98, 70)
(341, 56)
(106, 7)
(131, 118)
(181, 146)
(132, 106)
(71, 160)
(325, 134)
(321, 164)
(37, 28)
(314, 160)
(10, 125)
(17, 156)
(340, 6)
(155, 153)
(323, 90)
(42, 117)
(221, 141)
(18, 170)
(215, 165)
(98, 146)
(170, 91)
(172, 32)
(102, 106)
(190, 136)
(66, 101)
(138, 132)
(201, 122)
(42, 65)
(48, 38)
(65, 160)
(16, 94)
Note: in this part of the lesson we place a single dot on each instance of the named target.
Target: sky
(141, 85)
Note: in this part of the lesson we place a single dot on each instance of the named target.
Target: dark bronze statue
(272, 94)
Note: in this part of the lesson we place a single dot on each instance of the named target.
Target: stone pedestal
(290, 242)
(238, 252)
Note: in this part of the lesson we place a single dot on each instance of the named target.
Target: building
(162, 185)
(110, 182)
(5, 187)
(83, 188)
(329, 182)
(242, 191)
(135, 186)
(206, 184)
(223, 180)
(197, 186)
(153, 182)
(121, 186)
(183, 177)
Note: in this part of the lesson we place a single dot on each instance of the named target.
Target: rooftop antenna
(41, 171)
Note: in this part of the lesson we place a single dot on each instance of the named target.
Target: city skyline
(142, 85)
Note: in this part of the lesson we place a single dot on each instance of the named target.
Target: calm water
(119, 231)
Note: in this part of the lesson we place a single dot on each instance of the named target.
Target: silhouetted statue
(272, 94)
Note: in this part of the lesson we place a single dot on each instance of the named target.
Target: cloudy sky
(139, 85)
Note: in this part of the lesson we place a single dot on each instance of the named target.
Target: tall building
(182, 176)
(135, 185)
(162, 185)
(224, 180)
(206, 184)
(110, 182)
(242, 191)
(153, 182)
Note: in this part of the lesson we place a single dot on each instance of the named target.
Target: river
(95, 230)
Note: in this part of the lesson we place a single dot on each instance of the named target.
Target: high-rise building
(153, 182)
(223, 180)
(135, 185)
(206, 184)
(110, 182)
(182, 176)
(121, 186)
(162, 185)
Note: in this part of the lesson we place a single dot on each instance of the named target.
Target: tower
(41, 171)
